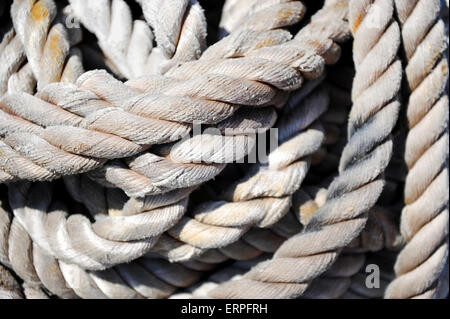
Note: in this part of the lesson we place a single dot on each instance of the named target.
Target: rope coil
(156, 185)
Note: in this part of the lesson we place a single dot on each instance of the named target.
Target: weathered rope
(149, 278)
(185, 224)
(140, 180)
(46, 41)
(113, 174)
(127, 255)
(129, 140)
(255, 15)
(12, 56)
(9, 288)
(241, 195)
(133, 276)
(255, 200)
(424, 221)
(289, 241)
(180, 30)
(109, 241)
(350, 196)
(126, 43)
(343, 280)
(126, 228)
(35, 198)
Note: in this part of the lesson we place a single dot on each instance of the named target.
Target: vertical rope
(424, 219)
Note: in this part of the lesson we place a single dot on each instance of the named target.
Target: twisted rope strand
(127, 148)
(46, 41)
(366, 155)
(140, 240)
(255, 200)
(256, 15)
(424, 219)
(140, 180)
(126, 43)
(180, 31)
(149, 278)
(12, 56)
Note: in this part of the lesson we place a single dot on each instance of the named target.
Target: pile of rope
(224, 149)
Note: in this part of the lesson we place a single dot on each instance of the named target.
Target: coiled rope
(373, 117)
(293, 235)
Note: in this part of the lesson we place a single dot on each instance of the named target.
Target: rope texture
(350, 196)
(290, 242)
(128, 44)
(180, 30)
(46, 42)
(84, 135)
(25, 207)
(424, 220)
(32, 259)
(255, 200)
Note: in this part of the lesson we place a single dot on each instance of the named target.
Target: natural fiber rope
(255, 200)
(252, 15)
(150, 278)
(182, 252)
(117, 229)
(95, 246)
(248, 247)
(32, 292)
(339, 280)
(216, 224)
(424, 222)
(88, 190)
(132, 138)
(276, 277)
(140, 180)
(46, 41)
(180, 30)
(350, 196)
(154, 220)
(12, 56)
(126, 43)
(35, 266)
(127, 255)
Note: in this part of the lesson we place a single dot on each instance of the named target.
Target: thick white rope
(259, 240)
(254, 15)
(355, 191)
(255, 200)
(180, 31)
(46, 41)
(89, 164)
(148, 278)
(151, 221)
(126, 43)
(424, 221)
